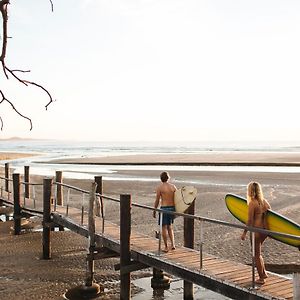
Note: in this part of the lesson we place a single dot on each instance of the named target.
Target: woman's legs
(260, 265)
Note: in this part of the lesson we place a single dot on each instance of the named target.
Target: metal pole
(252, 237)
(296, 286)
(201, 244)
(160, 233)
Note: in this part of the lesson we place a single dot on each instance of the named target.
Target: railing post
(189, 239)
(125, 232)
(17, 204)
(47, 187)
(26, 180)
(59, 189)
(91, 226)
(6, 177)
(201, 244)
(296, 286)
(252, 237)
(99, 201)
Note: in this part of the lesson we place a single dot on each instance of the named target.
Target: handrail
(195, 217)
(209, 220)
(30, 183)
(5, 178)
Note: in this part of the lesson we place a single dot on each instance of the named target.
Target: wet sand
(281, 189)
(206, 157)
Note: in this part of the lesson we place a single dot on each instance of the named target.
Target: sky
(155, 70)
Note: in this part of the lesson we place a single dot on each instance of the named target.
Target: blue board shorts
(167, 219)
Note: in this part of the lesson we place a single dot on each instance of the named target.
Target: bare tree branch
(41, 87)
(4, 99)
(12, 72)
(52, 7)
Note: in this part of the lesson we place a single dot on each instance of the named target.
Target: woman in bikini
(257, 206)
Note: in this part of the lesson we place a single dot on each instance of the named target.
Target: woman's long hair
(254, 192)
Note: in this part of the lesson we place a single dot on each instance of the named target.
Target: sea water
(48, 150)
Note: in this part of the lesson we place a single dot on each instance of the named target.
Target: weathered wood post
(99, 201)
(47, 188)
(91, 227)
(189, 238)
(6, 166)
(26, 180)
(125, 232)
(59, 189)
(90, 290)
(17, 204)
(296, 286)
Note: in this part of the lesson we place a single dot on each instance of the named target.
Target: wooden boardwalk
(229, 278)
(220, 275)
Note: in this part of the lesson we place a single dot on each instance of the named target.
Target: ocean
(47, 150)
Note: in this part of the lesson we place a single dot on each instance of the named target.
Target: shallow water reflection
(175, 292)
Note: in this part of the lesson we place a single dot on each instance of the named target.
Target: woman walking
(257, 207)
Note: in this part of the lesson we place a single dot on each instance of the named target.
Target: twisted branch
(4, 99)
(7, 71)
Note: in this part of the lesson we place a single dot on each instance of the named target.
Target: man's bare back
(165, 191)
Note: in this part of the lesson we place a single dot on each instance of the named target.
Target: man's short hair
(164, 176)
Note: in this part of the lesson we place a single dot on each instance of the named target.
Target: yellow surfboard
(239, 209)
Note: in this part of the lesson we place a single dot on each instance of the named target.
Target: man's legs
(171, 235)
(164, 234)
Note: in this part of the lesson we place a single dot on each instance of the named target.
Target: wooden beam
(102, 253)
(131, 267)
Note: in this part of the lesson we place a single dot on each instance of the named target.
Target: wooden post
(99, 190)
(7, 177)
(17, 204)
(189, 239)
(125, 232)
(59, 190)
(47, 185)
(91, 226)
(26, 180)
(296, 286)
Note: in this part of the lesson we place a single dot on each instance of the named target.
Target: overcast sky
(155, 69)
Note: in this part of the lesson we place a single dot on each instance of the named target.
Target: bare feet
(260, 281)
(166, 250)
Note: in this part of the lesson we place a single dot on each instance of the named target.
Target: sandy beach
(281, 189)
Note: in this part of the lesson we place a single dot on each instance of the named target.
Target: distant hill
(16, 138)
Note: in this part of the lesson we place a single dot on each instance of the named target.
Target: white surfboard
(184, 197)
